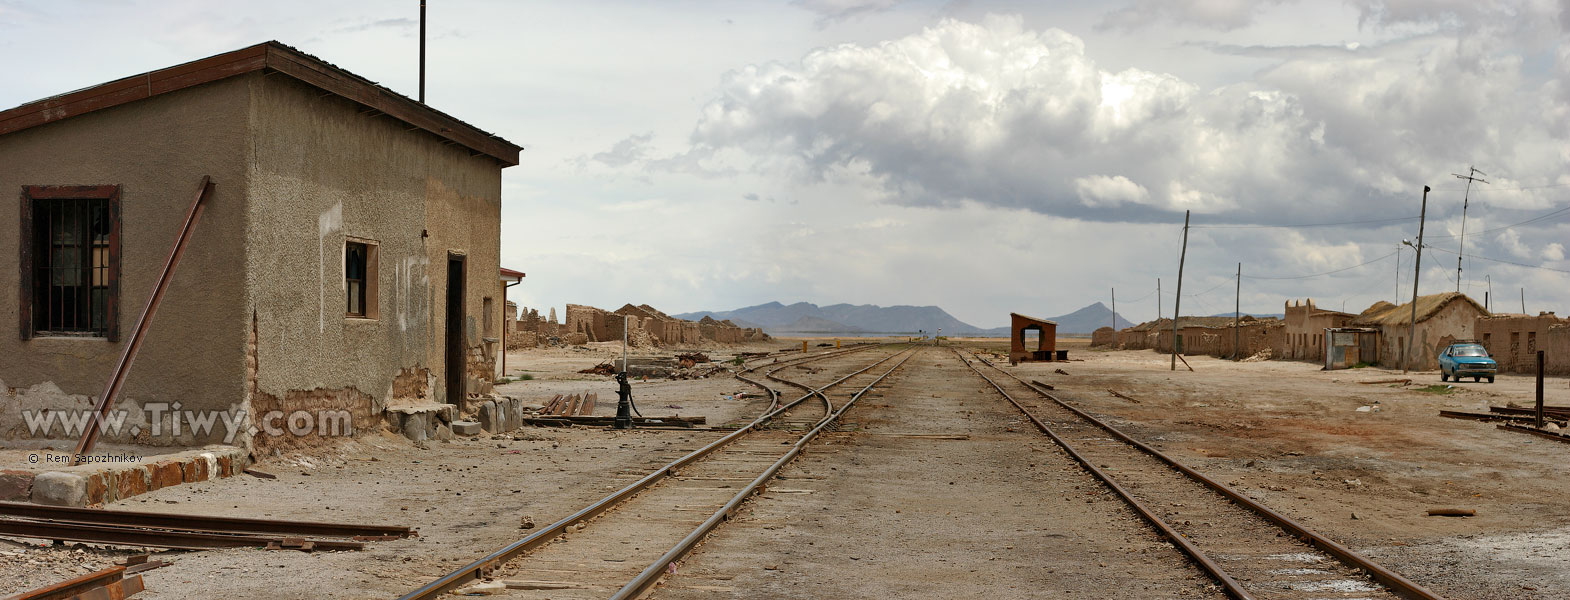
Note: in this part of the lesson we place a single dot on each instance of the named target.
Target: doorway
(456, 375)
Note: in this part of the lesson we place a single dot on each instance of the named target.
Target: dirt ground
(887, 507)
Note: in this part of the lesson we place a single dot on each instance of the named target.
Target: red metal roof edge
(271, 55)
(1015, 314)
(506, 272)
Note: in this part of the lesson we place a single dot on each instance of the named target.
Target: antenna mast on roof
(422, 51)
(1470, 177)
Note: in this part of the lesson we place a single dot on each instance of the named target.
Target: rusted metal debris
(607, 420)
(128, 355)
(1045, 385)
(189, 532)
(1123, 396)
(570, 405)
(1560, 437)
(113, 583)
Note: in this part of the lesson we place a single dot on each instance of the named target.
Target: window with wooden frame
(359, 278)
(70, 261)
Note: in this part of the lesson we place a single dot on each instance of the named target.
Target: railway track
(623, 544)
(1250, 550)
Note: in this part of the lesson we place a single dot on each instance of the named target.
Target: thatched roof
(1383, 313)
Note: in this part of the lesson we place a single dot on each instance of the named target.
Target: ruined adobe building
(1514, 340)
(346, 259)
(1305, 330)
(1441, 320)
(646, 327)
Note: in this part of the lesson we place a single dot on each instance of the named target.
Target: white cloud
(1510, 240)
(1100, 190)
(1214, 14)
(1554, 252)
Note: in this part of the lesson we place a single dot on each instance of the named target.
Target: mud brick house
(1305, 330)
(1514, 340)
(1441, 320)
(346, 257)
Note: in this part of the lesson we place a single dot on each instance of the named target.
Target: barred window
(70, 260)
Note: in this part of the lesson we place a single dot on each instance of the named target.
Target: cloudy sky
(985, 157)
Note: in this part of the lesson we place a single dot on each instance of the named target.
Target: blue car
(1466, 359)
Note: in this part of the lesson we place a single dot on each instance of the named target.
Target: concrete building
(1441, 320)
(345, 259)
(1514, 340)
(1305, 330)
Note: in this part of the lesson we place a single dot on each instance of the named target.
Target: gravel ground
(885, 507)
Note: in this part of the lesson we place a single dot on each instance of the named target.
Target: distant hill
(806, 317)
(1086, 320)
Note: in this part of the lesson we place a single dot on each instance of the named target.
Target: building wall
(1304, 336)
(1453, 322)
(157, 149)
(1514, 340)
(322, 172)
(1105, 337)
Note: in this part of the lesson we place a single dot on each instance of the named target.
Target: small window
(359, 278)
(70, 261)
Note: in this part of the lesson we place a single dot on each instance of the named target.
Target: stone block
(414, 426)
(488, 419)
(443, 432)
(225, 465)
(57, 488)
(447, 412)
(130, 482)
(165, 473)
(466, 428)
(514, 413)
(98, 489)
(16, 485)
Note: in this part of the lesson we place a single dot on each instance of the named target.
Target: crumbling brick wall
(1104, 336)
(1513, 341)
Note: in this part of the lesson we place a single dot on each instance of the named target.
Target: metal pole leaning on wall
(1177, 303)
(106, 400)
(1417, 266)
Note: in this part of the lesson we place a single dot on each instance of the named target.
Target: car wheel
(1477, 380)
(1443, 376)
(1490, 379)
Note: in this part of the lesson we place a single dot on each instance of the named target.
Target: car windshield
(1468, 351)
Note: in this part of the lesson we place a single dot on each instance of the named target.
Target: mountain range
(809, 318)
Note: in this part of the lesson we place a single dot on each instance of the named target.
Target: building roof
(511, 275)
(270, 57)
(1030, 318)
(1385, 313)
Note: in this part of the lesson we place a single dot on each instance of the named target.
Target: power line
(1304, 225)
(1532, 220)
(1326, 272)
(1508, 262)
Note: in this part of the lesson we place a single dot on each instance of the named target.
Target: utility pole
(1523, 301)
(1158, 298)
(1177, 303)
(1237, 315)
(1488, 295)
(422, 51)
(1114, 309)
(1470, 177)
(1417, 266)
(1398, 273)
